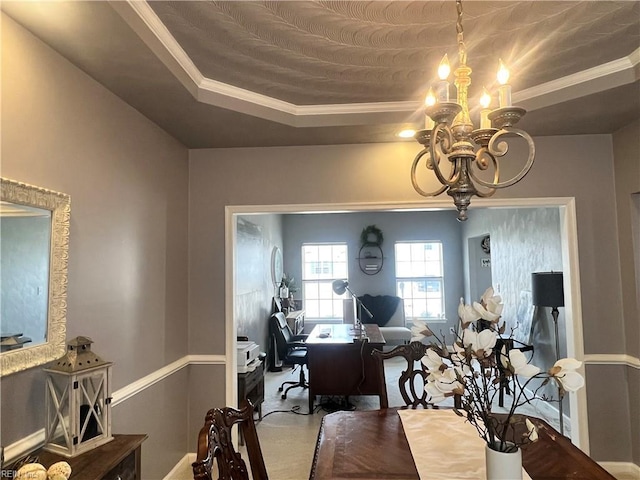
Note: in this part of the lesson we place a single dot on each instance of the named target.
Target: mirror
(34, 256)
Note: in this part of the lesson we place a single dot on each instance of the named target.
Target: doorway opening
(568, 234)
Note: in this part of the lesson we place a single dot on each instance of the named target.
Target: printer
(248, 356)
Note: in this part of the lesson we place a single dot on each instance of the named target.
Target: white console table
(295, 320)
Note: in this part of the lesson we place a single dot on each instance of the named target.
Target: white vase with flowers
(473, 371)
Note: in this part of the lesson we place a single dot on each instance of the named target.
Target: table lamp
(341, 286)
(547, 291)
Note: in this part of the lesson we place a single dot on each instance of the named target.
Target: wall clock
(486, 244)
(276, 266)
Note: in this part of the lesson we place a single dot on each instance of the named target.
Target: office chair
(214, 442)
(412, 396)
(289, 349)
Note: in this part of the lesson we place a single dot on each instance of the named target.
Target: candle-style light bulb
(429, 101)
(485, 101)
(443, 73)
(504, 91)
(444, 69)
(503, 73)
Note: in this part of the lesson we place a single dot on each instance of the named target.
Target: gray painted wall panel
(128, 242)
(524, 241)
(626, 146)
(159, 411)
(207, 387)
(395, 226)
(608, 402)
(255, 289)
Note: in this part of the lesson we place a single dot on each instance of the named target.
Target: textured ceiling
(292, 59)
(357, 51)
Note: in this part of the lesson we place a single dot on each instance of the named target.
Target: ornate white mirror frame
(59, 204)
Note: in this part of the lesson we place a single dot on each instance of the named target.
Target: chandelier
(449, 134)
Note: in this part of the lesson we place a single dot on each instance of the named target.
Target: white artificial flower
(490, 307)
(432, 361)
(483, 341)
(564, 371)
(442, 384)
(419, 330)
(532, 430)
(467, 313)
(459, 362)
(520, 365)
(436, 395)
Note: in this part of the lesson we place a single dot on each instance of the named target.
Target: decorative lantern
(78, 400)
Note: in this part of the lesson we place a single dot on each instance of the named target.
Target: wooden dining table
(371, 445)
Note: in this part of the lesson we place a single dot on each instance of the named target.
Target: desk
(371, 445)
(341, 363)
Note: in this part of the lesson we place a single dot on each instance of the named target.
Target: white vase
(503, 465)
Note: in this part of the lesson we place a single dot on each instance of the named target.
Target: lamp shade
(339, 286)
(547, 289)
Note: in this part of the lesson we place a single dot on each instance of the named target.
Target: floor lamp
(547, 291)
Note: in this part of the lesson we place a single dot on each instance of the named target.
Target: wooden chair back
(215, 443)
(413, 396)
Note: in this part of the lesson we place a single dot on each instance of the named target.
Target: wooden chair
(412, 352)
(214, 442)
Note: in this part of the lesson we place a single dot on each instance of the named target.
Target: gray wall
(24, 276)
(379, 173)
(395, 226)
(128, 241)
(524, 241)
(257, 235)
(626, 147)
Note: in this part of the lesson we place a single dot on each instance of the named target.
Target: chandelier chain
(462, 51)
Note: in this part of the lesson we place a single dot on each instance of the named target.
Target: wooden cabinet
(251, 386)
(117, 460)
(295, 320)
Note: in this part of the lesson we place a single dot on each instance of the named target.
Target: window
(419, 280)
(321, 265)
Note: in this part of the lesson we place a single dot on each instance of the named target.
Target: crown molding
(144, 21)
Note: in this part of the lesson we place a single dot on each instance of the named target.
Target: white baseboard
(27, 444)
(182, 467)
(622, 470)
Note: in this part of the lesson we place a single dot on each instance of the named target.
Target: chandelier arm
(443, 138)
(500, 149)
(481, 162)
(414, 181)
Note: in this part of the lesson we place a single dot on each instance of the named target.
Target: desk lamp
(341, 286)
(547, 291)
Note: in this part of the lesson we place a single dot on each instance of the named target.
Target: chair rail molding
(612, 359)
(35, 440)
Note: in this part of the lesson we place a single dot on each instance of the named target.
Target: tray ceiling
(231, 73)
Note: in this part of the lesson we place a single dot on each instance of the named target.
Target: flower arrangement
(289, 283)
(473, 370)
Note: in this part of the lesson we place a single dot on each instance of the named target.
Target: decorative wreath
(371, 235)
